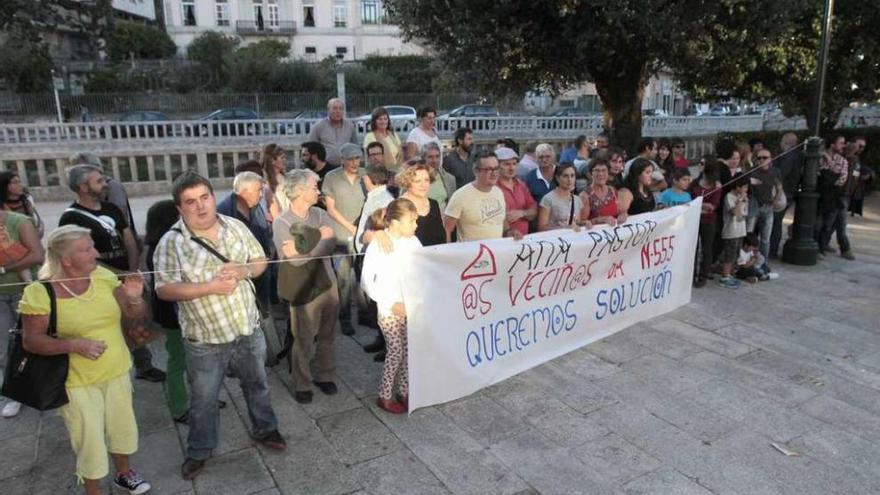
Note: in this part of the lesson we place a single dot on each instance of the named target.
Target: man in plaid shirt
(205, 264)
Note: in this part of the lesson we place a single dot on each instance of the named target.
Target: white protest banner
(480, 312)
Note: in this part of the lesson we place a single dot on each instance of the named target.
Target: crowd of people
(272, 269)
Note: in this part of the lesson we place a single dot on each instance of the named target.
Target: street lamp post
(801, 248)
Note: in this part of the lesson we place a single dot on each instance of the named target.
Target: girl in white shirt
(381, 281)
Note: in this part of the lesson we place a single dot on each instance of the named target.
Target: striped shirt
(213, 319)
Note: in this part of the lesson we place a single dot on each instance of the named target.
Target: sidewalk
(685, 404)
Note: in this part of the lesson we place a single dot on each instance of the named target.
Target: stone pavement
(686, 404)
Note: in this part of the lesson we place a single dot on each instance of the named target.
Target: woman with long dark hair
(382, 131)
(635, 196)
(666, 160)
(273, 161)
(16, 198)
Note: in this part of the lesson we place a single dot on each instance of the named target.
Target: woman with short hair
(600, 198)
(90, 306)
(416, 179)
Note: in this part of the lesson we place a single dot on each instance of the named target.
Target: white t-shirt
(421, 138)
(480, 214)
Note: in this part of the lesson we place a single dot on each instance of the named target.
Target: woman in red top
(600, 198)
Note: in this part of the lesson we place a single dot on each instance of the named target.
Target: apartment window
(274, 19)
(189, 12)
(371, 12)
(222, 9)
(341, 51)
(340, 14)
(311, 53)
(308, 13)
(259, 18)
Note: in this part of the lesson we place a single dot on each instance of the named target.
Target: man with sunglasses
(477, 210)
(765, 183)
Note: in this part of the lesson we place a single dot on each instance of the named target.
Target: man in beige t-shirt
(478, 210)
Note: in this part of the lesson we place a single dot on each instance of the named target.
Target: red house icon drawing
(482, 266)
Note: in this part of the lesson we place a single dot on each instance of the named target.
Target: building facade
(315, 29)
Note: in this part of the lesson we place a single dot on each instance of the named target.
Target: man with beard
(460, 162)
(314, 157)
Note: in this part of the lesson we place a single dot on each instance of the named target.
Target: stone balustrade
(145, 156)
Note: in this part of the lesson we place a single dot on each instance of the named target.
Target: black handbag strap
(571, 212)
(207, 246)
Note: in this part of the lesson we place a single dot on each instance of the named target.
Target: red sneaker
(390, 406)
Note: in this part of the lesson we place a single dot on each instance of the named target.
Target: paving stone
(664, 480)
(557, 421)
(358, 435)
(399, 472)
(843, 416)
(615, 458)
(234, 427)
(550, 469)
(667, 373)
(25, 423)
(323, 405)
(698, 421)
(665, 344)
(585, 364)
(18, 485)
(162, 471)
(56, 473)
(864, 341)
(702, 338)
(458, 460)
(357, 369)
(234, 473)
(732, 371)
(484, 419)
(844, 452)
(752, 409)
(699, 316)
(18, 456)
(618, 348)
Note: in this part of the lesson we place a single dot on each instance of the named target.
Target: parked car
(233, 113)
(470, 111)
(400, 115)
(654, 112)
(466, 112)
(574, 112)
(141, 131)
(302, 121)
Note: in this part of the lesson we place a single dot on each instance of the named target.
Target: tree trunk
(622, 103)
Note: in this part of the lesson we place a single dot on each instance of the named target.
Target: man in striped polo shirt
(205, 264)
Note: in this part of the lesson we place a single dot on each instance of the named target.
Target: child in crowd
(677, 194)
(736, 210)
(750, 265)
(380, 279)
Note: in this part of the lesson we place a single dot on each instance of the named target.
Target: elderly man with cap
(344, 196)
(521, 206)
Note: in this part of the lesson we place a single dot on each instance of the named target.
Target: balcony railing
(255, 28)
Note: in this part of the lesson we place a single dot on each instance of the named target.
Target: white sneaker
(11, 409)
(772, 275)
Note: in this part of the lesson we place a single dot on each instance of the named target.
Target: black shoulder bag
(34, 380)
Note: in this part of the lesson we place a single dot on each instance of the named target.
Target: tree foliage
(139, 40)
(212, 49)
(717, 49)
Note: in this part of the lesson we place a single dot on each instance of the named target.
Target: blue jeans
(763, 227)
(206, 366)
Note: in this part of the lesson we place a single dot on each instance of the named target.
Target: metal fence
(106, 106)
